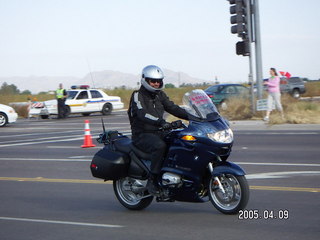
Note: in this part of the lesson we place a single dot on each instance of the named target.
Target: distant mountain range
(103, 79)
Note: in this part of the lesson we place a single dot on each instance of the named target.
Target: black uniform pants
(153, 144)
(61, 108)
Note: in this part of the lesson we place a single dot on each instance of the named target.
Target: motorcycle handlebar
(174, 125)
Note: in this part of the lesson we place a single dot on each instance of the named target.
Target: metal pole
(250, 76)
(259, 77)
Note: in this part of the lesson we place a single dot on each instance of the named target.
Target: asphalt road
(47, 191)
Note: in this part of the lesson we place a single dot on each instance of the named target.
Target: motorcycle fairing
(228, 168)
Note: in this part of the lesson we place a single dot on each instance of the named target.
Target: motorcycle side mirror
(213, 116)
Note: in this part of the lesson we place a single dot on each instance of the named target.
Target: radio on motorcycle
(195, 168)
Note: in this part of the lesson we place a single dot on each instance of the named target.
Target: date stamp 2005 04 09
(265, 214)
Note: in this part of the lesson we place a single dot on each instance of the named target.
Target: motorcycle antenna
(197, 110)
(104, 129)
(94, 86)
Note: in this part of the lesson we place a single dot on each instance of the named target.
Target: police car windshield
(71, 94)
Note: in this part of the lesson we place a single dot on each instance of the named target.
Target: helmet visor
(154, 80)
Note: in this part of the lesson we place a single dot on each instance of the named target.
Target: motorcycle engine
(171, 179)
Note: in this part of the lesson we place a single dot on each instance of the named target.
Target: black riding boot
(152, 184)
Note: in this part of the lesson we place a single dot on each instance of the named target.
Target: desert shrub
(22, 110)
(312, 89)
(237, 110)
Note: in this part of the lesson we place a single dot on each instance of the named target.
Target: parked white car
(7, 115)
(81, 99)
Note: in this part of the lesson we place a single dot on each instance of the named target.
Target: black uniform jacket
(146, 110)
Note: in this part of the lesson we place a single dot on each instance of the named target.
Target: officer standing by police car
(61, 96)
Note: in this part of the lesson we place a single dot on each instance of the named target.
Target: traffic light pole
(257, 40)
(245, 22)
(250, 76)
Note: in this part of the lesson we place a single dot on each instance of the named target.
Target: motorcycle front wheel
(229, 193)
(131, 193)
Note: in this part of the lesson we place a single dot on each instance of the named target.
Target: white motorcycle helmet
(152, 72)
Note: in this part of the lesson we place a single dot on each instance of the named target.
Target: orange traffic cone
(87, 136)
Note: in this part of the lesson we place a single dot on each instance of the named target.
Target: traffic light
(240, 20)
(242, 48)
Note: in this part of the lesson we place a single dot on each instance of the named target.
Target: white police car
(81, 99)
(7, 115)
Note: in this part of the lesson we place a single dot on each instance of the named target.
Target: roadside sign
(262, 105)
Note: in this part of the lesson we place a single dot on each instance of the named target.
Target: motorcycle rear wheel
(234, 198)
(130, 193)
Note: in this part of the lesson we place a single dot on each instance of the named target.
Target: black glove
(176, 124)
(191, 117)
(165, 125)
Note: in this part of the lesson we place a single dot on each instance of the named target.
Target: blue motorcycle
(195, 168)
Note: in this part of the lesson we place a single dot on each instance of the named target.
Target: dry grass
(22, 110)
(238, 109)
(6, 99)
(295, 111)
(312, 89)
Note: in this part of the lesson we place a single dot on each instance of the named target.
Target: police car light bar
(80, 87)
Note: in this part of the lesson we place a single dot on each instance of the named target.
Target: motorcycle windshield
(198, 104)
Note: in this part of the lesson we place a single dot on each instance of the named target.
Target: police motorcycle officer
(146, 110)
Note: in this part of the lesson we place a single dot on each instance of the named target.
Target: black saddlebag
(109, 165)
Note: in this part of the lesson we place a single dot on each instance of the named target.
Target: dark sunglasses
(152, 80)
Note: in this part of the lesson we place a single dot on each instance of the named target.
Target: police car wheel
(3, 120)
(44, 116)
(107, 109)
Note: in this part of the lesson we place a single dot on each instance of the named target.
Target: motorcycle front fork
(216, 180)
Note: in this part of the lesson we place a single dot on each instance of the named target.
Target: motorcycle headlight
(224, 136)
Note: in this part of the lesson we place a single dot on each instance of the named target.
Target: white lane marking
(63, 147)
(46, 159)
(78, 157)
(277, 133)
(60, 132)
(40, 142)
(38, 139)
(280, 164)
(54, 140)
(109, 123)
(281, 174)
(35, 134)
(61, 222)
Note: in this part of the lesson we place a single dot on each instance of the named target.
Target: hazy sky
(72, 37)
